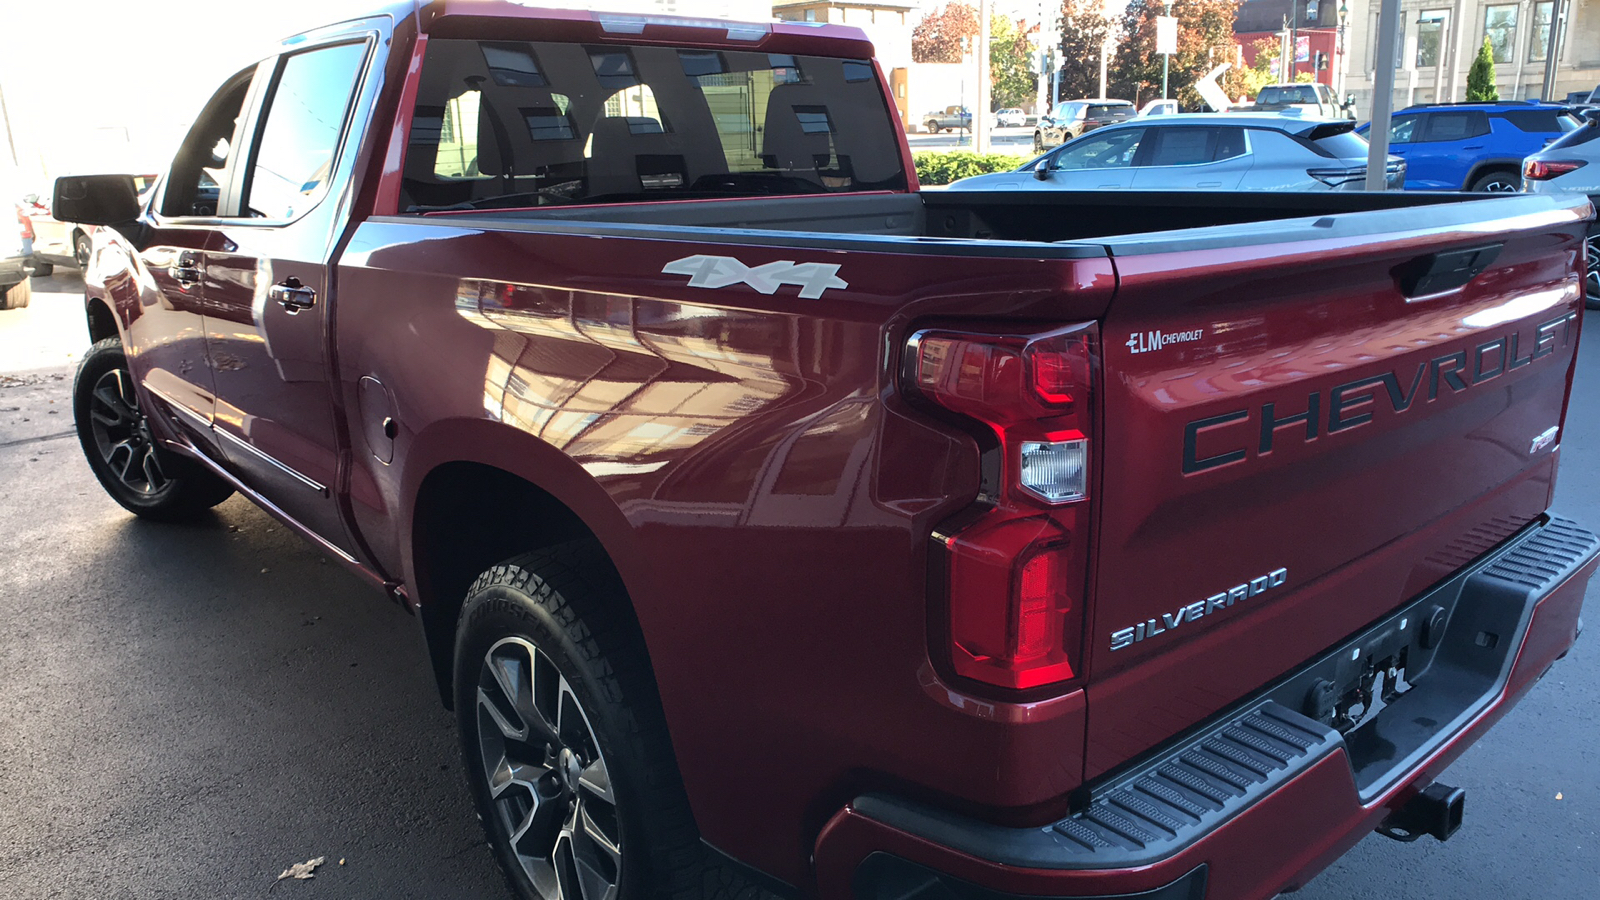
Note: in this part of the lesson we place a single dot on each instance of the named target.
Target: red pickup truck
(775, 526)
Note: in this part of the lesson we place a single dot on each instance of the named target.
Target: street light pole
(1344, 62)
(1166, 59)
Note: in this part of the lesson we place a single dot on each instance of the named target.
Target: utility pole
(1294, 41)
(1166, 41)
(1383, 97)
(1458, 23)
(10, 141)
(1559, 11)
(980, 115)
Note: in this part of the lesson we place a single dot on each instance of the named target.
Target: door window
(207, 155)
(304, 119)
(1101, 150)
(1403, 129)
(1191, 146)
(1457, 126)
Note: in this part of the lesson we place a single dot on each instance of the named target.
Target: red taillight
(26, 223)
(1016, 575)
(1541, 170)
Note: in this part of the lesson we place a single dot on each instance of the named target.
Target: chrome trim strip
(250, 448)
(180, 408)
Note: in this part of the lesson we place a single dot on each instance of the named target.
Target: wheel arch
(500, 494)
(1484, 167)
(102, 321)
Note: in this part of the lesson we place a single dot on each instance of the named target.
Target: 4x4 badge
(723, 271)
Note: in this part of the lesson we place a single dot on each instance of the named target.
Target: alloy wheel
(548, 782)
(122, 434)
(1501, 186)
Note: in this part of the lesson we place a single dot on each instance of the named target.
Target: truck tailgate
(1295, 446)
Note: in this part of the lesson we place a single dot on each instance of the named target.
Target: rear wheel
(145, 479)
(1503, 181)
(1038, 143)
(81, 246)
(933, 127)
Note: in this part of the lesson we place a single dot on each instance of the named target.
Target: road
(188, 710)
(1002, 140)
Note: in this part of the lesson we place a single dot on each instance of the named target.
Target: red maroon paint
(783, 498)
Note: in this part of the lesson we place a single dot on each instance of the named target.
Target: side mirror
(95, 199)
(1042, 170)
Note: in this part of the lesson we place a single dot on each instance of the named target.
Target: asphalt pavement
(186, 711)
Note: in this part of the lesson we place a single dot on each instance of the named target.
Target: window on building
(1500, 26)
(811, 15)
(1399, 44)
(1539, 41)
(1430, 31)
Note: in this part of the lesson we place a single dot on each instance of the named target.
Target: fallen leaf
(1558, 795)
(341, 861)
(303, 871)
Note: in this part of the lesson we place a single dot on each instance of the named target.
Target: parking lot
(190, 709)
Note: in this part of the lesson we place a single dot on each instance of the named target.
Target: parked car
(952, 119)
(773, 525)
(16, 247)
(1571, 165)
(1316, 100)
(1202, 151)
(1076, 118)
(59, 243)
(1010, 117)
(1473, 146)
(1159, 107)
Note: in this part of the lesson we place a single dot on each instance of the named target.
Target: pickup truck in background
(954, 118)
(1312, 100)
(775, 527)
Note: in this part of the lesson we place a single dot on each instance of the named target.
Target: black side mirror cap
(95, 199)
(1042, 170)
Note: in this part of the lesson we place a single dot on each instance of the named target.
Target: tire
(41, 269)
(81, 248)
(539, 639)
(17, 296)
(1038, 143)
(1591, 283)
(146, 480)
(1502, 181)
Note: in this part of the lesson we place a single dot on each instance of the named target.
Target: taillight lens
(1016, 575)
(1542, 170)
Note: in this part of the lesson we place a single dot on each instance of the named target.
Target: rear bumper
(14, 269)
(1261, 798)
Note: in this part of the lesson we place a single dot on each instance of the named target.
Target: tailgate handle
(1439, 273)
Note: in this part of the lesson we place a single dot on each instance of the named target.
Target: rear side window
(1344, 145)
(304, 121)
(518, 124)
(1583, 134)
(1456, 125)
(1540, 121)
(1191, 146)
(1110, 111)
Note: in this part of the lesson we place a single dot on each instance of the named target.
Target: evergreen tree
(1480, 78)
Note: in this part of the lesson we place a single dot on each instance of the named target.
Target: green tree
(1084, 29)
(1205, 39)
(1480, 78)
(1011, 77)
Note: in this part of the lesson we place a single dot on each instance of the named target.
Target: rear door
(1297, 443)
(267, 287)
(1191, 158)
(1452, 141)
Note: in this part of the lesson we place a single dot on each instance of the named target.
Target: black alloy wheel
(124, 454)
(122, 435)
(547, 779)
(1498, 183)
(81, 247)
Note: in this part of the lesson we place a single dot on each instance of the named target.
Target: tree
(1011, 76)
(1480, 78)
(937, 38)
(1205, 39)
(1084, 29)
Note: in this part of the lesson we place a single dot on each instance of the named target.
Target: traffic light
(1322, 61)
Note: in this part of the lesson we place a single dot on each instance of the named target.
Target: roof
(853, 4)
(1287, 124)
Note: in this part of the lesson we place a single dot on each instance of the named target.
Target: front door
(267, 290)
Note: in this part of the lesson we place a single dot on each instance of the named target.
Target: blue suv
(1473, 146)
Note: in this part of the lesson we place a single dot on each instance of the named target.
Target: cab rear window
(516, 124)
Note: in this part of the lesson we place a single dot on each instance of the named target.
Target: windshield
(1272, 95)
(501, 124)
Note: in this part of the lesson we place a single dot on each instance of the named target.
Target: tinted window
(1100, 150)
(1404, 129)
(1181, 146)
(1295, 94)
(305, 117)
(536, 123)
(1543, 121)
(1457, 125)
(1345, 145)
(1583, 135)
(1110, 111)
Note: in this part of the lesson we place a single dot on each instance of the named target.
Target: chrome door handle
(186, 270)
(292, 295)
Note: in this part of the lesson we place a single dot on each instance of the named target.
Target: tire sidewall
(497, 611)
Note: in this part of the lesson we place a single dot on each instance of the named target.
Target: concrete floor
(187, 710)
